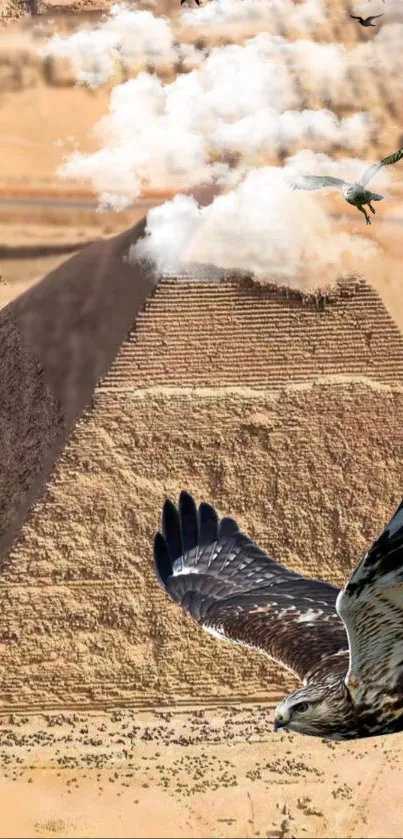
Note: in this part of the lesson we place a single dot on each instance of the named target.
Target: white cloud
(154, 136)
(224, 122)
(265, 128)
(242, 100)
(260, 227)
(132, 37)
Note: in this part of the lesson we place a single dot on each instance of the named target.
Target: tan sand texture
(217, 772)
(57, 339)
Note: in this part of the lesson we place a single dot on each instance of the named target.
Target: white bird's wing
(313, 182)
(371, 606)
(236, 591)
(372, 170)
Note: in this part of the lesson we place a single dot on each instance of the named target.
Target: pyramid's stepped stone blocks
(311, 470)
(236, 332)
(56, 340)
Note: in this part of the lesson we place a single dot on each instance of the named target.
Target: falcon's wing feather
(234, 590)
(371, 606)
(372, 170)
(313, 182)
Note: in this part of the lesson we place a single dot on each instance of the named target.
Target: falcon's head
(317, 710)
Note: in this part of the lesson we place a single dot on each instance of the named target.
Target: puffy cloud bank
(241, 103)
(260, 227)
(225, 122)
(126, 36)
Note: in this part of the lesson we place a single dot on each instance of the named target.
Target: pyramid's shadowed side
(56, 340)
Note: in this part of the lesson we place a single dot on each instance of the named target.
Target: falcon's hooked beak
(279, 722)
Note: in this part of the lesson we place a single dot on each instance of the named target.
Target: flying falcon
(346, 647)
(366, 21)
(354, 193)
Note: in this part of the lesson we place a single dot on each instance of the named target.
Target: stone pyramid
(284, 412)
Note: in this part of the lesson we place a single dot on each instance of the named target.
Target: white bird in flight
(354, 193)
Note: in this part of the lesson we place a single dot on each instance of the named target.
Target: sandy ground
(217, 772)
(35, 121)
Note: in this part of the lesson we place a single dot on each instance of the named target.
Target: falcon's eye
(300, 706)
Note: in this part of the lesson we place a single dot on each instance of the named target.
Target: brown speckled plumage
(346, 647)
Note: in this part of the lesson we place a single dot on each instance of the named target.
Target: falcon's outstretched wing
(234, 590)
(371, 606)
(372, 170)
(313, 182)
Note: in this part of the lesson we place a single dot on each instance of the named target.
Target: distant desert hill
(282, 411)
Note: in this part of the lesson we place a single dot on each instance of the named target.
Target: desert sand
(108, 727)
(191, 773)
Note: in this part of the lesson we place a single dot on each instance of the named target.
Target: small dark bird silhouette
(196, 1)
(366, 21)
